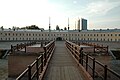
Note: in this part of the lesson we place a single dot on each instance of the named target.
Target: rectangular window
(5, 34)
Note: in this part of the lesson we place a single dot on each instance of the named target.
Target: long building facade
(85, 35)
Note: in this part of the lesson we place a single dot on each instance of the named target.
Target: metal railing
(95, 68)
(34, 70)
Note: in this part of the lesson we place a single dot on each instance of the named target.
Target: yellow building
(85, 35)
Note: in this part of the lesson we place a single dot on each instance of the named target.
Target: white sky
(21, 13)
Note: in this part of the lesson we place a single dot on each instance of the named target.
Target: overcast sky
(101, 14)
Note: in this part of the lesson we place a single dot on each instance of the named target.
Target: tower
(75, 25)
(68, 24)
(49, 24)
(83, 24)
(78, 24)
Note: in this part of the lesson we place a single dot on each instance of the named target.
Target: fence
(23, 46)
(95, 68)
(37, 69)
(97, 48)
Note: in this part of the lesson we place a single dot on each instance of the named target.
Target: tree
(65, 28)
(31, 27)
(2, 28)
(57, 27)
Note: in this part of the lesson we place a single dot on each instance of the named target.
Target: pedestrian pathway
(62, 66)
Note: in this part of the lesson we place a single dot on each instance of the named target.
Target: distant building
(84, 35)
(83, 24)
(78, 28)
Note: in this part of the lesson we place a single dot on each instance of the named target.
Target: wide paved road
(62, 66)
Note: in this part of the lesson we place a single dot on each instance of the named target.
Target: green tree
(57, 27)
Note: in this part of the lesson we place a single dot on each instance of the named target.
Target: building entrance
(58, 39)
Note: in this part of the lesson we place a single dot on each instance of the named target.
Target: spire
(68, 23)
(49, 24)
(75, 25)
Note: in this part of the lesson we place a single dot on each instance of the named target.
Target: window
(111, 34)
(115, 34)
(5, 34)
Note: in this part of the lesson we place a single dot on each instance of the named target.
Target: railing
(23, 46)
(95, 68)
(37, 68)
(97, 48)
(20, 46)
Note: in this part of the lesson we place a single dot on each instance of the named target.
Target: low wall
(18, 63)
(34, 49)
